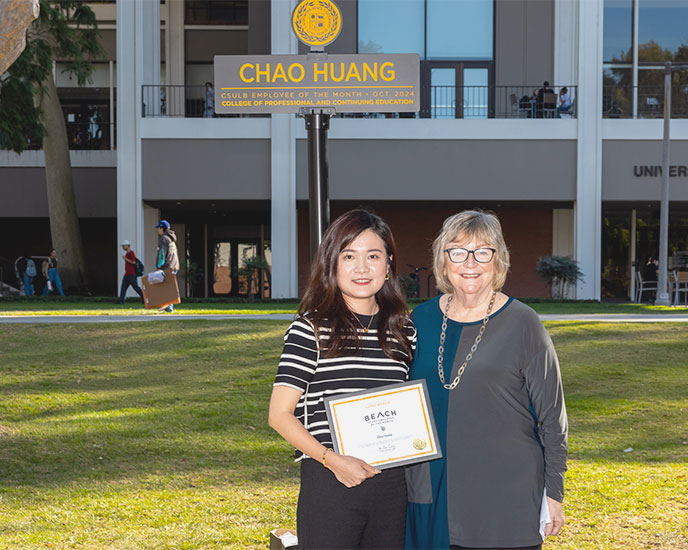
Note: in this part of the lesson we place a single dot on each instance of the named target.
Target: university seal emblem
(317, 22)
(419, 444)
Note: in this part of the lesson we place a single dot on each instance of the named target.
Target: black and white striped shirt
(359, 368)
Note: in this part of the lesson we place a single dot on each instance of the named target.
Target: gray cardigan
(503, 431)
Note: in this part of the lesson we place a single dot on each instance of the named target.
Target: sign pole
(663, 298)
(317, 126)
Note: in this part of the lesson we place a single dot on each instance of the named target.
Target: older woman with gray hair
(495, 387)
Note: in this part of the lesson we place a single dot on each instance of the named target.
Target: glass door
(456, 89)
(232, 274)
(443, 86)
(248, 283)
(476, 95)
(222, 269)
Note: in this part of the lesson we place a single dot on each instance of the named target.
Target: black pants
(332, 516)
(536, 547)
(127, 281)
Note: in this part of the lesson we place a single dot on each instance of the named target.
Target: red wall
(527, 231)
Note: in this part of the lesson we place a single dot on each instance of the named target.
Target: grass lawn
(142, 436)
(105, 306)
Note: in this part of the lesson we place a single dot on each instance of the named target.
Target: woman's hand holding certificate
(349, 470)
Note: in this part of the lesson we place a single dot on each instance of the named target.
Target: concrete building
(584, 185)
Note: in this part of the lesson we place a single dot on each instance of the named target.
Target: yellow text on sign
(321, 72)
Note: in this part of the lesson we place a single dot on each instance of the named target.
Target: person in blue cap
(167, 257)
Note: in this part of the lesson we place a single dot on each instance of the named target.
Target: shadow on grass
(626, 388)
(120, 402)
(188, 400)
(130, 453)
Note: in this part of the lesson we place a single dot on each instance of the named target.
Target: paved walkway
(56, 319)
(620, 317)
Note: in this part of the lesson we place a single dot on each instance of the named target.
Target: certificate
(386, 427)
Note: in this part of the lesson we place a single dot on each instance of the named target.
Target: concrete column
(565, 43)
(259, 33)
(129, 205)
(150, 40)
(588, 208)
(634, 42)
(283, 170)
(175, 70)
(138, 55)
(562, 232)
(175, 28)
(112, 104)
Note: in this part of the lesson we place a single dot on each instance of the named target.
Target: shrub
(559, 272)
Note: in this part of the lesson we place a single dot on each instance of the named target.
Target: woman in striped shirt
(352, 334)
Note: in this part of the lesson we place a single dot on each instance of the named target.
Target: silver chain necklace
(443, 336)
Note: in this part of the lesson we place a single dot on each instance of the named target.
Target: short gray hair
(465, 226)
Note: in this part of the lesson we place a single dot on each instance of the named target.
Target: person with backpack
(133, 268)
(29, 274)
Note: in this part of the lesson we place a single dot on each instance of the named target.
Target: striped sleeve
(412, 332)
(299, 356)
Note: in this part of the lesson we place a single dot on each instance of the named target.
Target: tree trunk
(64, 223)
(17, 15)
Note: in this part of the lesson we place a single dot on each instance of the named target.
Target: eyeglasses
(460, 255)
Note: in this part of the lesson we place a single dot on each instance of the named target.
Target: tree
(30, 111)
(17, 15)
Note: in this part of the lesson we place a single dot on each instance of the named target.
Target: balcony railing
(179, 101)
(617, 101)
(447, 102)
(85, 136)
(438, 102)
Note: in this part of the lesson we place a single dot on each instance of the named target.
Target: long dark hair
(323, 302)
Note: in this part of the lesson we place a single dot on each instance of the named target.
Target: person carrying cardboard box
(167, 256)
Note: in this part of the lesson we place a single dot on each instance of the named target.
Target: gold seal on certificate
(386, 427)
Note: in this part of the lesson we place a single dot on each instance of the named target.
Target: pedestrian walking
(52, 276)
(130, 275)
(168, 258)
(29, 272)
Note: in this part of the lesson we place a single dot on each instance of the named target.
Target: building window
(434, 29)
(617, 100)
(454, 41)
(662, 36)
(459, 30)
(390, 26)
(663, 30)
(216, 12)
(618, 31)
